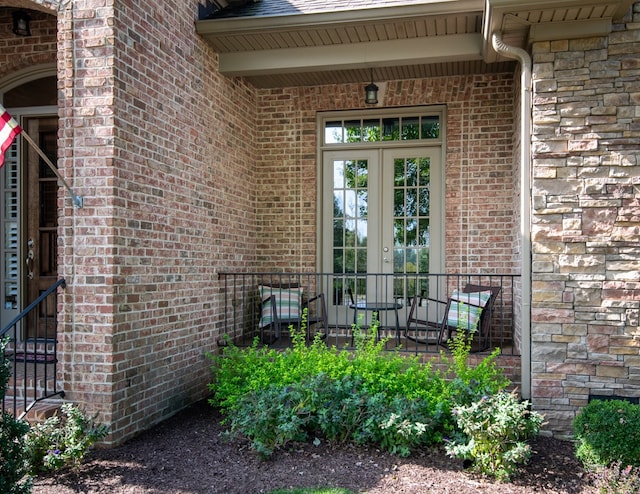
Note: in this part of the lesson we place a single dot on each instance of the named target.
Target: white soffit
(455, 47)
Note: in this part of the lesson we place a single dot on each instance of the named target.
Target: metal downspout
(525, 200)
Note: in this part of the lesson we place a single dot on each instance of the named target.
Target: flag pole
(77, 200)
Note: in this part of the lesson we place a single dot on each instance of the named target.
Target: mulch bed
(189, 454)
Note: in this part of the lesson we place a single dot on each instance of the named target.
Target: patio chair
(282, 305)
(469, 310)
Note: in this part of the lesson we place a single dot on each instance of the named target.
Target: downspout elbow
(512, 52)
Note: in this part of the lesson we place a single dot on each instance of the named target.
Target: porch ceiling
(278, 43)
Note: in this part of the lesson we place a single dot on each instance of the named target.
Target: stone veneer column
(586, 221)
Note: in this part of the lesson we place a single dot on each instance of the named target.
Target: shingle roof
(263, 8)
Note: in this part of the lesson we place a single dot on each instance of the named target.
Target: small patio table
(377, 307)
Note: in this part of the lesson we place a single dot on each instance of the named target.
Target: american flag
(9, 129)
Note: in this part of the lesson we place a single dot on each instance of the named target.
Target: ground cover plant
(62, 440)
(369, 396)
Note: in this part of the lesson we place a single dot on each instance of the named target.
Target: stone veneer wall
(586, 221)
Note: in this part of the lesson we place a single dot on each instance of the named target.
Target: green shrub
(608, 432)
(469, 383)
(14, 468)
(240, 371)
(14, 478)
(336, 410)
(496, 429)
(367, 396)
(62, 440)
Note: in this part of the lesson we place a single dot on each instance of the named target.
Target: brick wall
(480, 232)
(20, 53)
(586, 253)
(161, 148)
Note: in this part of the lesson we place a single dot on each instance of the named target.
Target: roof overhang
(441, 37)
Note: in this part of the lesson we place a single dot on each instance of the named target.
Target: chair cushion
(287, 300)
(466, 308)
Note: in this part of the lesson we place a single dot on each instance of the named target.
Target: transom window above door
(419, 127)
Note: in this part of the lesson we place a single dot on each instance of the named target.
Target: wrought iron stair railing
(32, 354)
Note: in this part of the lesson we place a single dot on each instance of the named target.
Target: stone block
(612, 371)
(577, 351)
(558, 46)
(598, 343)
(616, 99)
(545, 117)
(543, 267)
(588, 44)
(575, 329)
(598, 221)
(545, 172)
(549, 352)
(583, 145)
(545, 86)
(574, 110)
(565, 338)
(624, 37)
(575, 61)
(581, 263)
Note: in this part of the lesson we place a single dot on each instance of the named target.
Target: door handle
(29, 260)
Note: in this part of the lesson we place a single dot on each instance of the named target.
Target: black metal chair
(469, 310)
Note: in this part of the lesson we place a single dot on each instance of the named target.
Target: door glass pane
(371, 130)
(350, 212)
(411, 220)
(353, 131)
(410, 128)
(430, 127)
(350, 226)
(333, 133)
(390, 129)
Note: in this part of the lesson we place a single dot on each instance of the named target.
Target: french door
(382, 211)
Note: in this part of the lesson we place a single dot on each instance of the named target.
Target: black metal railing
(32, 352)
(354, 298)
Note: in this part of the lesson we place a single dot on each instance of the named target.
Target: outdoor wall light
(21, 23)
(371, 92)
